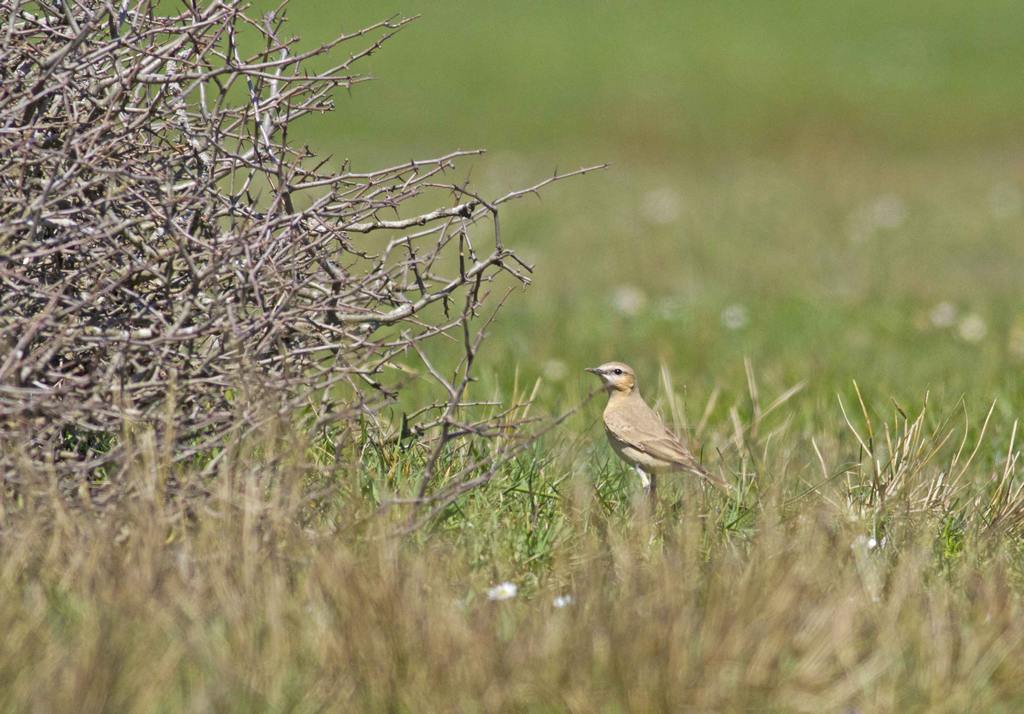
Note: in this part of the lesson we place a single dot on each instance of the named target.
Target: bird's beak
(592, 370)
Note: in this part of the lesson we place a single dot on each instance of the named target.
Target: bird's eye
(618, 371)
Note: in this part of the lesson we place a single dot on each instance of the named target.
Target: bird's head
(615, 376)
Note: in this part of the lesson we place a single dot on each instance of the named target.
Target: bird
(639, 436)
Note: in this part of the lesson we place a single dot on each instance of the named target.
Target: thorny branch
(169, 258)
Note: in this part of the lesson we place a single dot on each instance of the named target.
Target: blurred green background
(832, 189)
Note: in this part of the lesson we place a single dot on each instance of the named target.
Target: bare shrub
(169, 257)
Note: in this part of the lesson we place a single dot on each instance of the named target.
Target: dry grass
(277, 590)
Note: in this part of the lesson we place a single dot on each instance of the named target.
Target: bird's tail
(714, 479)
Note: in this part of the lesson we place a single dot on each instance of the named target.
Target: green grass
(662, 81)
(838, 171)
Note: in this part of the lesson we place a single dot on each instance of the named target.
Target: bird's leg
(644, 478)
(649, 482)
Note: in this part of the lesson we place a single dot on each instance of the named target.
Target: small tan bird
(637, 433)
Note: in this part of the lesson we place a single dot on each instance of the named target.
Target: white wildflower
(562, 601)
(886, 212)
(865, 543)
(555, 370)
(670, 307)
(735, 317)
(943, 315)
(628, 300)
(1005, 201)
(1015, 341)
(972, 328)
(515, 168)
(661, 206)
(503, 591)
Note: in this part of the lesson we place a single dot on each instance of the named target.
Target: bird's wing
(639, 426)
